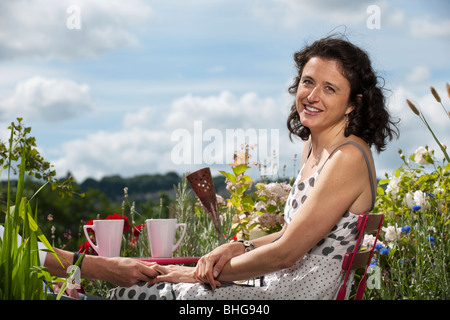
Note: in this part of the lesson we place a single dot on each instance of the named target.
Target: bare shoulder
(350, 160)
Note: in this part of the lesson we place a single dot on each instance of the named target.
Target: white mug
(108, 235)
(161, 235)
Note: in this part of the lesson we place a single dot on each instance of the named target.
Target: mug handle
(85, 227)
(175, 246)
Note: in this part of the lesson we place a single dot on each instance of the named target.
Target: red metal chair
(367, 223)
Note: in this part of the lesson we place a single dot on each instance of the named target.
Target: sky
(135, 87)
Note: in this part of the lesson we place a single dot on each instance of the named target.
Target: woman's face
(323, 95)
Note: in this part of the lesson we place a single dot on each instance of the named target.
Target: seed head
(448, 89)
(413, 107)
(435, 94)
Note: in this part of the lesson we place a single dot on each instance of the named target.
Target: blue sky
(112, 96)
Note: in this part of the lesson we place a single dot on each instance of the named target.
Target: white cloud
(38, 28)
(430, 27)
(47, 100)
(419, 74)
(144, 144)
(292, 13)
(128, 151)
(224, 111)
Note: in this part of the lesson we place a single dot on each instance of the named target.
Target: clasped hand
(207, 270)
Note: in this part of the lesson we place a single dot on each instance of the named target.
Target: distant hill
(142, 187)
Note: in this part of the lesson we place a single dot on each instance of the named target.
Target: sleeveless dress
(317, 275)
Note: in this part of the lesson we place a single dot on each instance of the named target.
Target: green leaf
(240, 169)
(229, 176)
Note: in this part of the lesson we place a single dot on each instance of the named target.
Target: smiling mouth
(311, 109)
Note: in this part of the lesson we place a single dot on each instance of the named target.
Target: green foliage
(21, 275)
(201, 235)
(413, 253)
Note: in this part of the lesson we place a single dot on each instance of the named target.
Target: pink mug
(108, 235)
(161, 235)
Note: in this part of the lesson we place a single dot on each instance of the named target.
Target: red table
(179, 260)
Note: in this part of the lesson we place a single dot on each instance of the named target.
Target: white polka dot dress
(317, 275)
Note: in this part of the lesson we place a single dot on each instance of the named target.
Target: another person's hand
(73, 293)
(173, 274)
(126, 272)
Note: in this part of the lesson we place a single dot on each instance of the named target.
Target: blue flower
(406, 229)
(378, 247)
(415, 208)
(431, 240)
(384, 251)
(429, 194)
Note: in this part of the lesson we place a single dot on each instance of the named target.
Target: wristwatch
(248, 245)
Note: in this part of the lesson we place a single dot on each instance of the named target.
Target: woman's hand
(210, 265)
(173, 274)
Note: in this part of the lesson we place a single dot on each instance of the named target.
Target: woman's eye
(330, 89)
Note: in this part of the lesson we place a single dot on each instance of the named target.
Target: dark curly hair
(370, 119)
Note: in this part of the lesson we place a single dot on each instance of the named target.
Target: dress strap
(372, 188)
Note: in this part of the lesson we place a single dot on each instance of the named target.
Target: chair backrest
(367, 223)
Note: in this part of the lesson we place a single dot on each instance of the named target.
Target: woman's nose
(313, 95)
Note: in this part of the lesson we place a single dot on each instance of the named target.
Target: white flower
(409, 200)
(392, 233)
(419, 156)
(220, 200)
(392, 187)
(368, 242)
(260, 205)
(420, 199)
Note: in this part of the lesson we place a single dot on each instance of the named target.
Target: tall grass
(21, 274)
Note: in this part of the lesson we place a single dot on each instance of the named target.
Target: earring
(346, 121)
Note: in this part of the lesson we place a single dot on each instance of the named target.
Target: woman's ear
(352, 106)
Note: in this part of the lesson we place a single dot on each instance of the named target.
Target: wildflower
(392, 187)
(420, 155)
(416, 200)
(220, 200)
(431, 240)
(68, 234)
(420, 199)
(384, 251)
(391, 233)
(368, 242)
(260, 205)
(406, 229)
(409, 200)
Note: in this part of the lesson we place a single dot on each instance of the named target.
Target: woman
(339, 112)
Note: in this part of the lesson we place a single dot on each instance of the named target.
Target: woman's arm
(211, 264)
(342, 181)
